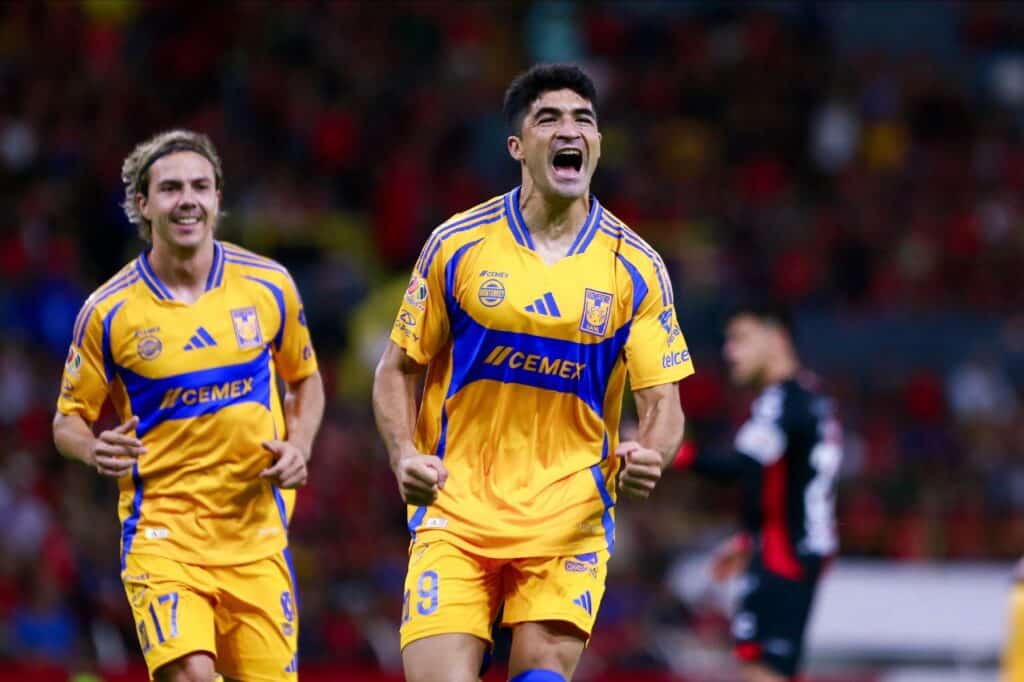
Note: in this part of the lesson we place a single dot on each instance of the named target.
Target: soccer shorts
(769, 624)
(245, 616)
(450, 590)
(1013, 654)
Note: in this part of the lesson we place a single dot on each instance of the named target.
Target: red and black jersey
(786, 457)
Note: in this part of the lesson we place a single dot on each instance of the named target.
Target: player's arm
(759, 443)
(296, 363)
(420, 476)
(720, 466)
(659, 433)
(303, 409)
(112, 453)
(85, 385)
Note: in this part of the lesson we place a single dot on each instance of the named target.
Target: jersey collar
(146, 273)
(521, 233)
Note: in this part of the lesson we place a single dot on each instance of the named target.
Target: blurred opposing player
(1013, 651)
(786, 458)
(188, 341)
(528, 312)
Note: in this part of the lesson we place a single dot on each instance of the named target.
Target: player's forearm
(73, 437)
(394, 407)
(661, 420)
(303, 410)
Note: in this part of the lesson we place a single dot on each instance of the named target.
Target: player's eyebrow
(555, 111)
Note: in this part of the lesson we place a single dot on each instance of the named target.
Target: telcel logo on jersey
(673, 359)
(533, 362)
(207, 394)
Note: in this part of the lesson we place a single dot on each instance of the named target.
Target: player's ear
(515, 147)
(142, 204)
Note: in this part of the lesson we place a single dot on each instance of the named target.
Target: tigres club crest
(247, 328)
(597, 310)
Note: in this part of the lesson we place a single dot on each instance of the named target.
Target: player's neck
(183, 271)
(553, 222)
(784, 368)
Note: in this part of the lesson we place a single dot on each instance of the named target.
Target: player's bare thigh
(546, 645)
(194, 667)
(444, 658)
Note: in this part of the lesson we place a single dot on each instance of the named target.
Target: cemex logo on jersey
(207, 394)
(530, 362)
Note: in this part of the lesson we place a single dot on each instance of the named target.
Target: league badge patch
(597, 310)
(74, 362)
(416, 293)
(247, 328)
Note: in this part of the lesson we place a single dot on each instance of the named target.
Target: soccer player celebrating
(786, 457)
(527, 311)
(188, 341)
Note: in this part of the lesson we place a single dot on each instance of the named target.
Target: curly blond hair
(135, 170)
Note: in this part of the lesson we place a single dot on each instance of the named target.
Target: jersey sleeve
(421, 328)
(294, 358)
(85, 385)
(656, 351)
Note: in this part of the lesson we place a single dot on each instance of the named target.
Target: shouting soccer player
(786, 457)
(527, 311)
(188, 341)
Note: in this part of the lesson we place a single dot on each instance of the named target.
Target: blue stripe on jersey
(580, 369)
(442, 443)
(151, 280)
(597, 222)
(552, 306)
(487, 219)
(205, 336)
(450, 269)
(212, 279)
(606, 519)
(626, 235)
(108, 354)
(233, 254)
(90, 308)
(282, 509)
(279, 297)
(515, 219)
(423, 265)
(85, 312)
(291, 573)
(586, 232)
(193, 394)
(131, 523)
(639, 285)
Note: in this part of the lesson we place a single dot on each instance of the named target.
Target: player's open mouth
(567, 162)
(186, 220)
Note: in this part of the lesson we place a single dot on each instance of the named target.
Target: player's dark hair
(765, 310)
(541, 78)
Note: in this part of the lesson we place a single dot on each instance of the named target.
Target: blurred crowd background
(862, 161)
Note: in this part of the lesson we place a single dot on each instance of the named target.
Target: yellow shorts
(450, 590)
(245, 616)
(1013, 654)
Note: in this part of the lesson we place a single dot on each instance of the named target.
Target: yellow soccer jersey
(202, 380)
(526, 368)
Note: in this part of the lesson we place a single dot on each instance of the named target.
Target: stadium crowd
(867, 169)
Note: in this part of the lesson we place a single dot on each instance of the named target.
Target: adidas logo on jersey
(584, 602)
(545, 306)
(201, 339)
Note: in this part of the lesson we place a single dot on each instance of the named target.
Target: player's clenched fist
(114, 452)
(420, 477)
(641, 469)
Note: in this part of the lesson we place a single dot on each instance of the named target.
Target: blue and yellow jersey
(202, 378)
(527, 363)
